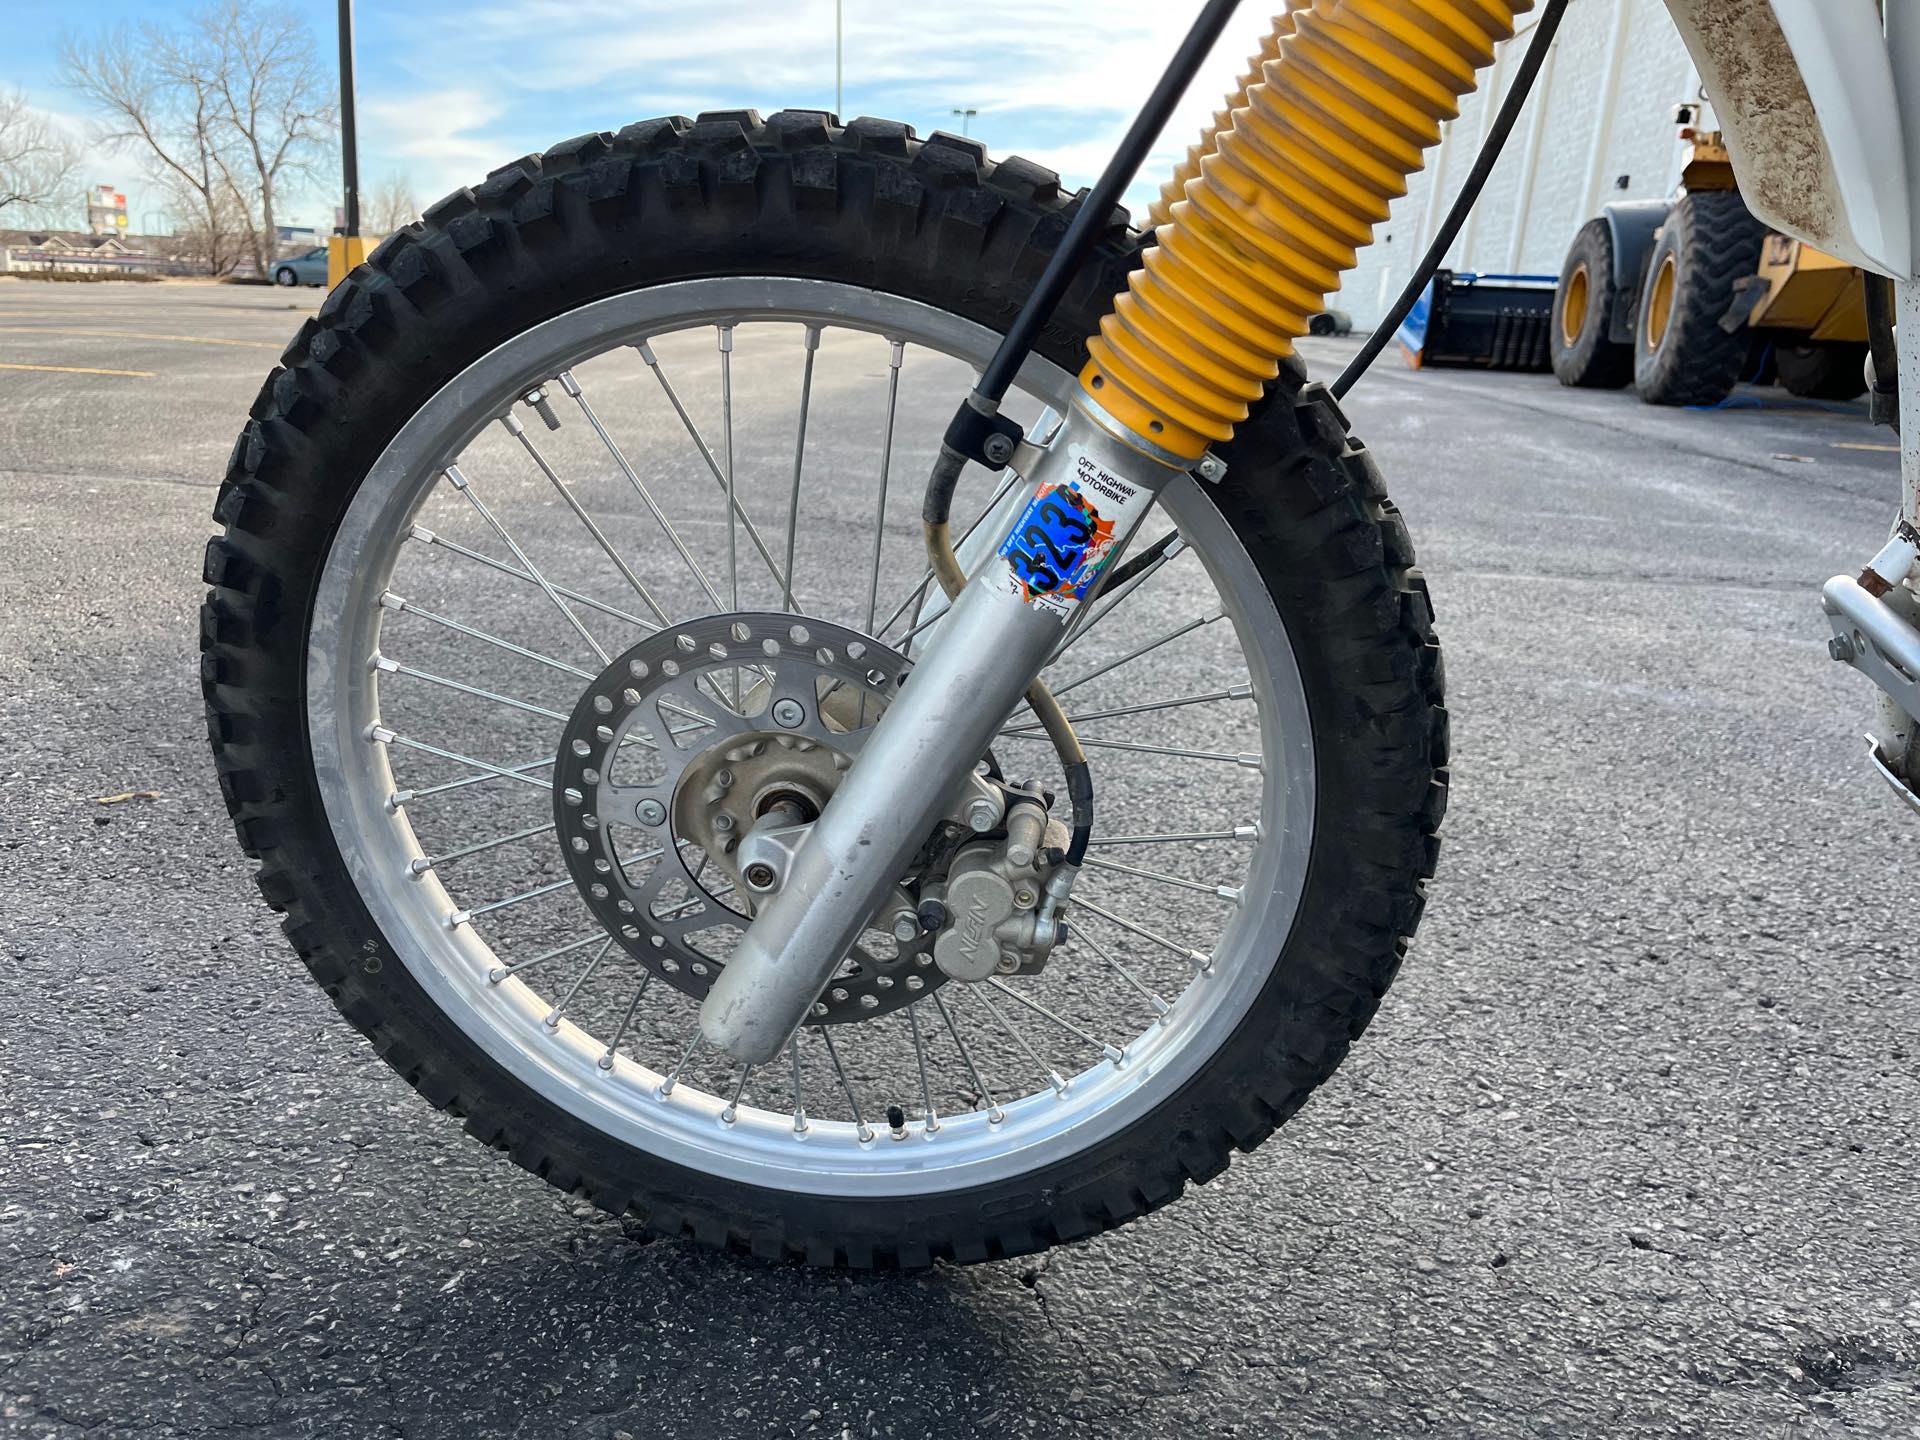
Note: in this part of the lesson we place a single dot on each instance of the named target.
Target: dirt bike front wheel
(615, 439)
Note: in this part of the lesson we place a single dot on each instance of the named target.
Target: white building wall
(1589, 125)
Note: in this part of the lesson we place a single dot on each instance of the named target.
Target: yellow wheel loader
(1685, 298)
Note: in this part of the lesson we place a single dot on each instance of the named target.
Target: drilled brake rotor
(678, 747)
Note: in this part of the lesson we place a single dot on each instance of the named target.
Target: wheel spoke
(799, 1099)
(400, 605)
(931, 1121)
(861, 1128)
(734, 506)
(1116, 1053)
(732, 1112)
(460, 482)
(799, 456)
(1196, 837)
(1191, 956)
(383, 736)
(1132, 655)
(1211, 697)
(1124, 583)
(613, 1044)
(428, 537)
(1245, 761)
(552, 1018)
(1223, 892)
(501, 972)
(572, 387)
(894, 357)
(402, 798)
(672, 1077)
(433, 862)
(994, 1113)
(394, 667)
(1160, 1007)
(1051, 1075)
(519, 432)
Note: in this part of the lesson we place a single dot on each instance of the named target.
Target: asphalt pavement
(1629, 1150)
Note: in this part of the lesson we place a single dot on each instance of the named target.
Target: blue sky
(449, 90)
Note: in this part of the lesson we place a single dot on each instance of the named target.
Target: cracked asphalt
(1629, 1150)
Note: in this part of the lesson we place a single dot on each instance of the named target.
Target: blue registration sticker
(1059, 544)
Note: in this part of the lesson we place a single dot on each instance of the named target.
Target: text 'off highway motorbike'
(816, 862)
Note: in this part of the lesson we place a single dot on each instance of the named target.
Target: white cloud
(438, 138)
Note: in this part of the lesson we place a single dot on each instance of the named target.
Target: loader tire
(1583, 304)
(1682, 355)
(1823, 370)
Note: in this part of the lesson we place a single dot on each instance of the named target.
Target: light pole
(965, 117)
(347, 250)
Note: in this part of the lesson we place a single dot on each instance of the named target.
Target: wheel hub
(702, 738)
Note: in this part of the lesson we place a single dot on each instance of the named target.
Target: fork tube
(908, 775)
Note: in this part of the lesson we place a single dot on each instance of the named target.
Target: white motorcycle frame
(1819, 101)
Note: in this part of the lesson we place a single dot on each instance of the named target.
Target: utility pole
(965, 117)
(347, 250)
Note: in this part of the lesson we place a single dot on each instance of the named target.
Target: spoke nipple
(726, 338)
(496, 975)
(1246, 832)
(551, 1020)
(1250, 762)
(996, 1116)
(799, 1122)
(813, 337)
(1228, 892)
(383, 664)
(931, 1126)
(419, 866)
(605, 1062)
(422, 534)
(1116, 1055)
(398, 799)
(1200, 962)
(865, 1131)
(1240, 692)
(391, 601)
(457, 918)
(1060, 1087)
(664, 1089)
(455, 478)
(899, 353)
(380, 735)
(536, 399)
(511, 424)
(569, 384)
(646, 353)
(729, 1115)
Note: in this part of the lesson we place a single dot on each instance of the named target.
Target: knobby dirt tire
(799, 195)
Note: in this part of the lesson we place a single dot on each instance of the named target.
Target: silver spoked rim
(832, 1133)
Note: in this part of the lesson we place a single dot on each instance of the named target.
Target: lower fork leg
(984, 654)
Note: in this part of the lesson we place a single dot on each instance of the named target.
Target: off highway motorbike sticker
(1063, 539)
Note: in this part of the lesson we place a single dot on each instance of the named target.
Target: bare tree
(392, 205)
(167, 110)
(36, 160)
(226, 109)
(273, 99)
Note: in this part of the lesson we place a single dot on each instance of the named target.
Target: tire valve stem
(897, 1122)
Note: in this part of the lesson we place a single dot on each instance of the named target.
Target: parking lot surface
(1629, 1150)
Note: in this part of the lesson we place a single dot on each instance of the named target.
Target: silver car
(307, 269)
